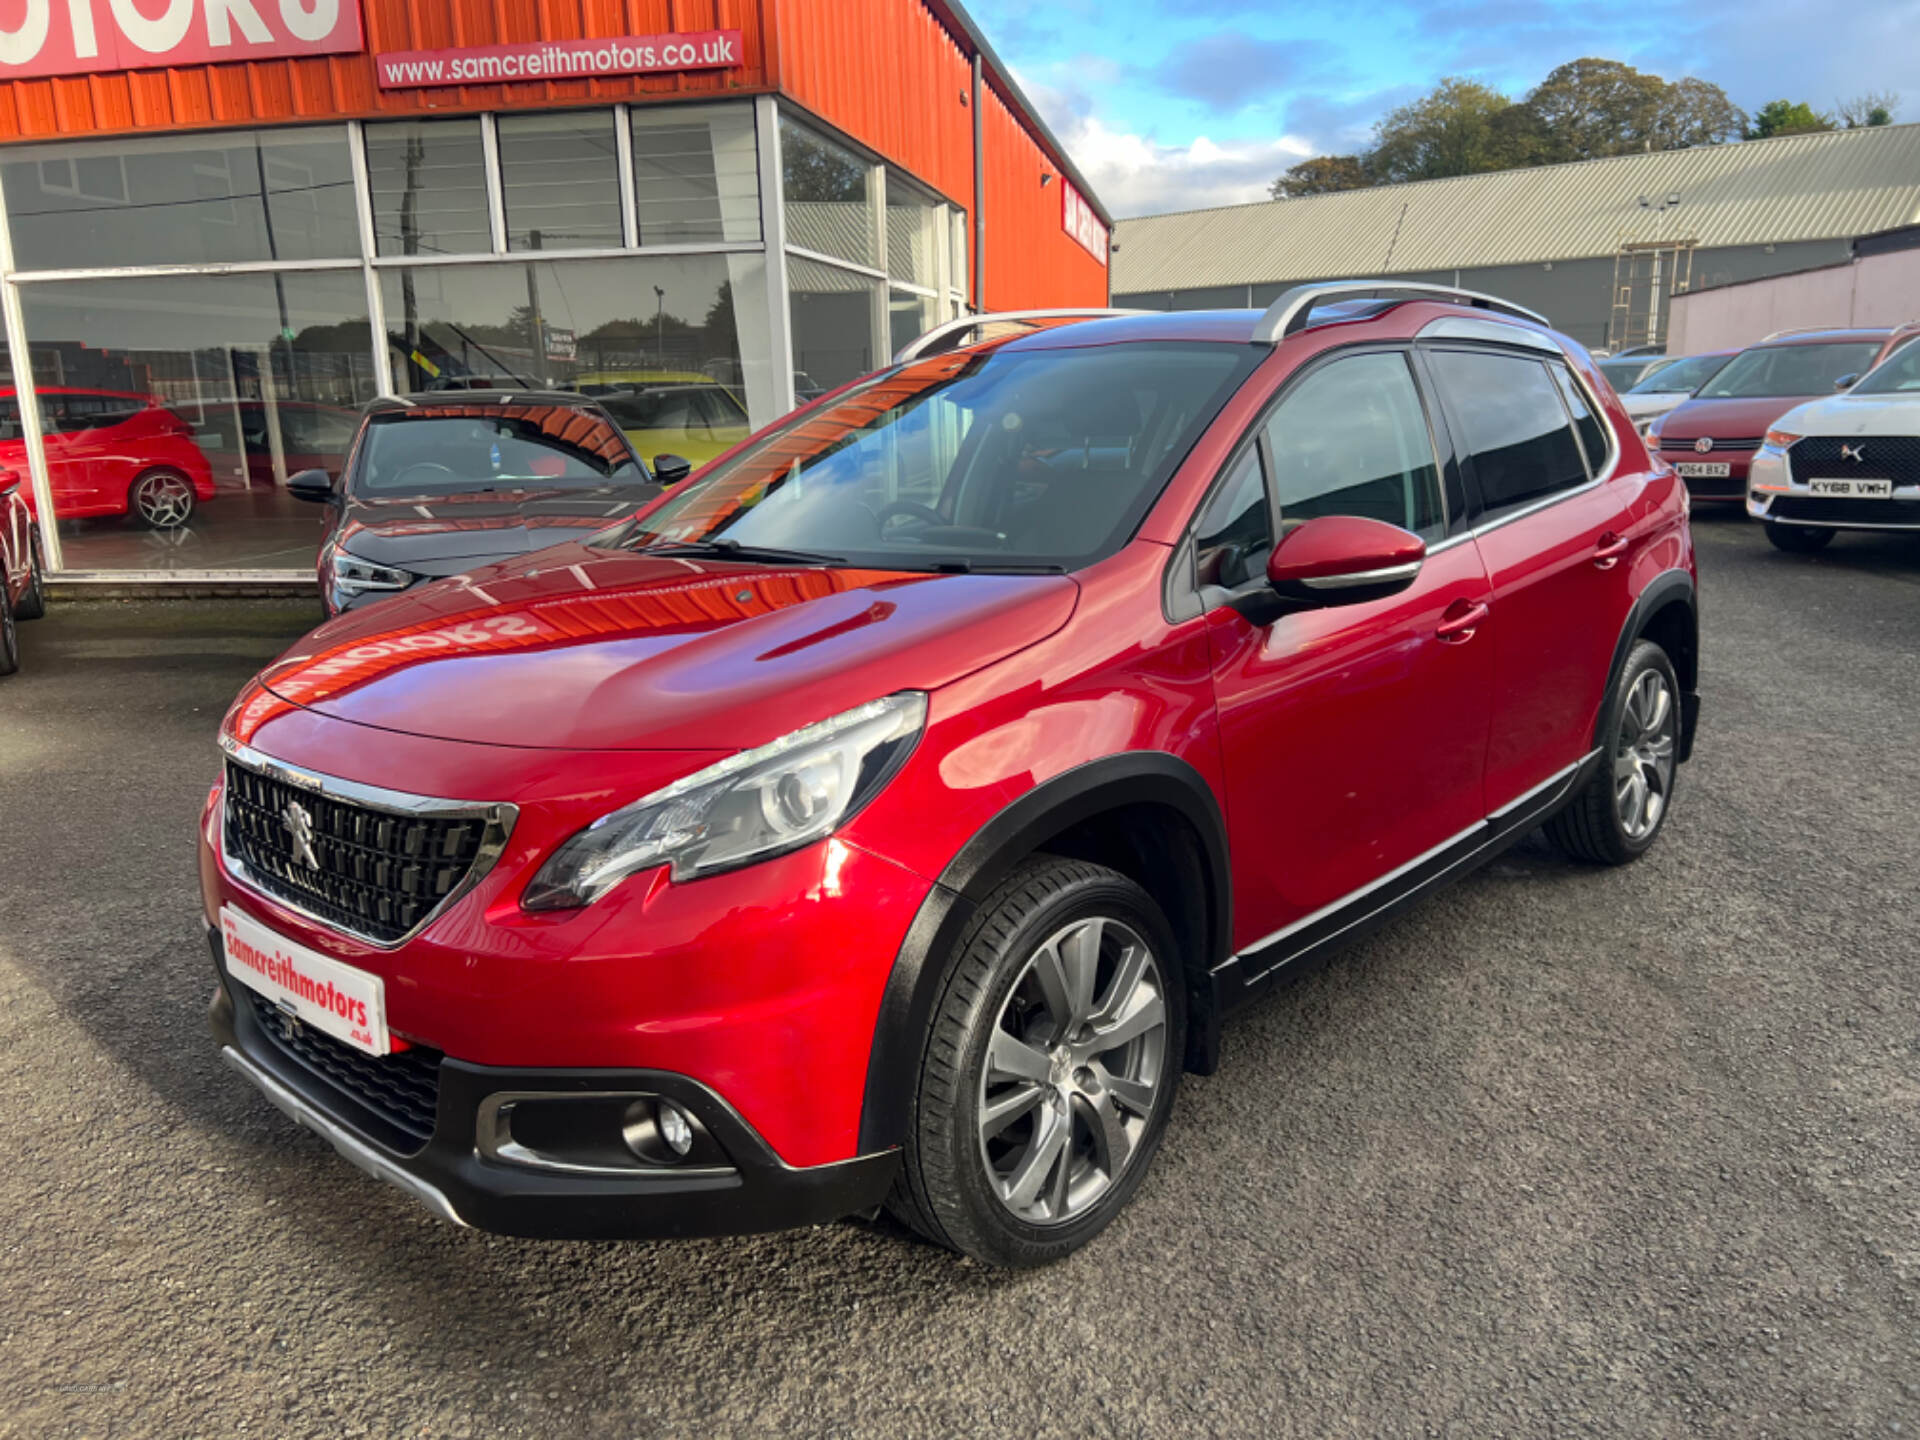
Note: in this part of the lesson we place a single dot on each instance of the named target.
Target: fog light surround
(605, 1132)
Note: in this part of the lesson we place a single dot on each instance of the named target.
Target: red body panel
(1339, 743)
(91, 471)
(16, 529)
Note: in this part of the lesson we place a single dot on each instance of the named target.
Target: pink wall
(1879, 290)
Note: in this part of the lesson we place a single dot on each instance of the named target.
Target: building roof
(1832, 185)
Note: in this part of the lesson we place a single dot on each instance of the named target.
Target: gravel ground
(1564, 1151)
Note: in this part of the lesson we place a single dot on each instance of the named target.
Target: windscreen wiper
(724, 549)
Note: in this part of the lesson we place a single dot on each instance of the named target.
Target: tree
(1876, 107)
(1594, 107)
(1694, 112)
(1322, 175)
(1455, 130)
(1787, 117)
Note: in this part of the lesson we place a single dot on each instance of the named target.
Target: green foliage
(1323, 175)
(1787, 117)
(1876, 107)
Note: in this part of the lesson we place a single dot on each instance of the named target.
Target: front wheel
(33, 603)
(1617, 815)
(161, 499)
(1050, 1069)
(1798, 539)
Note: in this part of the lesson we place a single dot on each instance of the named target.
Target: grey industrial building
(1599, 246)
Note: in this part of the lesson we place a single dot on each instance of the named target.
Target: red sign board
(82, 37)
(557, 59)
(1078, 219)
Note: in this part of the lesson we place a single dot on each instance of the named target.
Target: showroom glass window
(229, 196)
(560, 181)
(832, 312)
(830, 205)
(429, 184)
(696, 174)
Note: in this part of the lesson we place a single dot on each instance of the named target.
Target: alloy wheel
(1074, 1064)
(164, 500)
(1643, 759)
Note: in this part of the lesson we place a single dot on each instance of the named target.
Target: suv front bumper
(738, 1186)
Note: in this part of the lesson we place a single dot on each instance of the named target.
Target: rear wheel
(1798, 539)
(161, 499)
(1050, 1070)
(1618, 814)
(33, 604)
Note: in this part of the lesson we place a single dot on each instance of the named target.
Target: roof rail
(1289, 314)
(1800, 330)
(915, 348)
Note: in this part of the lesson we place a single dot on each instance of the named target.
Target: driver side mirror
(312, 485)
(671, 469)
(1344, 559)
(1847, 382)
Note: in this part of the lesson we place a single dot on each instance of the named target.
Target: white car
(1670, 386)
(1847, 462)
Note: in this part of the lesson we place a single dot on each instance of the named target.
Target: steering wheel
(912, 510)
(423, 465)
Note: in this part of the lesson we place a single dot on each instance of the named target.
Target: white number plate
(333, 998)
(1704, 469)
(1853, 489)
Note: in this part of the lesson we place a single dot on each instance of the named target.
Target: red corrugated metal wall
(1031, 260)
(342, 86)
(888, 74)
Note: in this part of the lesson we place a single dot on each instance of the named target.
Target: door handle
(1608, 552)
(1463, 617)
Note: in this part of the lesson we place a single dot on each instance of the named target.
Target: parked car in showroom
(23, 590)
(685, 414)
(1712, 438)
(442, 483)
(1848, 462)
(891, 814)
(1670, 385)
(111, 452)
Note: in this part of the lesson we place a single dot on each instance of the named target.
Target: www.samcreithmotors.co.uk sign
(84, 37)
(559, 59)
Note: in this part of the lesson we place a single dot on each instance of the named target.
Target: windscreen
(1899, 375)
(1789, 370)
(1682, 377)
(1008, 459)
(456, 449)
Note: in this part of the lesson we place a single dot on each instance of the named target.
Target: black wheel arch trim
(1661, 591)
(1137, 777)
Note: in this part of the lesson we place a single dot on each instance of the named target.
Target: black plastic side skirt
(1299, 953)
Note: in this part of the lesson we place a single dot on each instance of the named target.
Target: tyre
(1798, 539)
(161, 499)
(33, 604)
(1618, 814)
(9, 636)
(1049, 1070)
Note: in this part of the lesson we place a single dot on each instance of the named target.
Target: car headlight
(1781, 439)
(354, 575)
(1652, 431)
(751, 806)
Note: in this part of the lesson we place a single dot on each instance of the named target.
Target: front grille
(1681, 449)
(1846, 511)
(381, 874)
(1882, 457)
(402, 1089)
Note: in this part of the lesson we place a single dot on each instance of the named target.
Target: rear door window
(1591, 428)
(1513, 424)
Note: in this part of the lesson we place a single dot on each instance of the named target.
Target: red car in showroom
(892, 813)
(23, 594)
(111, 453)
(1711, 439)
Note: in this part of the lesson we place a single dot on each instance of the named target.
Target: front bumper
(736, 1185)
(1774, 496)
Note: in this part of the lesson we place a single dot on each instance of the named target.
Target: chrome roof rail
(919, 346)
(1289, 314)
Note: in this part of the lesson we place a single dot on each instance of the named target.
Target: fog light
(675, 1128)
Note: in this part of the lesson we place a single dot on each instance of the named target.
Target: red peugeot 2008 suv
(890, 814)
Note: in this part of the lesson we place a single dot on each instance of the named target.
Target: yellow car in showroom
(668, 412)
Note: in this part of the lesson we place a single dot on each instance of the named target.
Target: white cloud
(1137, 176)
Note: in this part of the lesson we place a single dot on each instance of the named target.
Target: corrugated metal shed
(1800, 187)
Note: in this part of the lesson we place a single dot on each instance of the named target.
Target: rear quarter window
(1515, 428)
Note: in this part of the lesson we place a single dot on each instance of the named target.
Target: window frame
(1484, 517)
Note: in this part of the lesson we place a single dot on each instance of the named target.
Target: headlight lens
(1781, 439)
(353, 574)
(749, 807)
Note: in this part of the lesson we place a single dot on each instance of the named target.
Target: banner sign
(1078, 219)
(557, 59)
(85, 37)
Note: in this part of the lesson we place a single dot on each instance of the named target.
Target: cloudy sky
(1178, 104)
